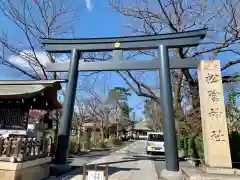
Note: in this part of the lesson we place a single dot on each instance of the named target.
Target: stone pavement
(124, 164)
(160, 165)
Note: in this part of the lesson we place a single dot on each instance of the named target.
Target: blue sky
(96, 20)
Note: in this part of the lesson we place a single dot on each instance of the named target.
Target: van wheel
(148, 152)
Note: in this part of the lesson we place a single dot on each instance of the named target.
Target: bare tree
(152, 112)
(35, 19)
(179, 16)
(107, 112)
(221, 18)
(96, 111)
(81, 115)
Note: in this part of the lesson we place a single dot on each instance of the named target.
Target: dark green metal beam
(111, 65)
(171, 40)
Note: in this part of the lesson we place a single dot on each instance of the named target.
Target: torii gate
(163, 64)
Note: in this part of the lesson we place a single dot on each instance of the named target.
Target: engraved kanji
(214, 95)
(215, 113)
(217, 135)
(207, 67)
(211, 78)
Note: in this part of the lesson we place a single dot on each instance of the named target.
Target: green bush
(97, 143)
(114, 140)
(234, 139)
(76, 144)
(193, 146)
(183, 143)
(73, 146)
(199, 146)
(101, 144)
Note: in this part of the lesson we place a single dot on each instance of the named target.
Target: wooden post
(18, 147)
(84, 172)
(1, 146)
(106, 172)
(9, 147)
(213, 115)
(45, 146)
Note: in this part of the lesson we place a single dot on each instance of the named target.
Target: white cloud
(26, 61)
(88, 4)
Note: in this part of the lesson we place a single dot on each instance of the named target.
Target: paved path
(160, 164)
(128, 163)
(85, 158)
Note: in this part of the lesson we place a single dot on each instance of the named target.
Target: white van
(155, 142)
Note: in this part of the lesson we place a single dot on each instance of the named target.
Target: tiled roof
(26, 88)
(142, 125)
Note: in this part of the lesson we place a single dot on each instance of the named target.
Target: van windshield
(155, 137)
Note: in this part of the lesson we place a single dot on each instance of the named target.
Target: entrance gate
(163, 63)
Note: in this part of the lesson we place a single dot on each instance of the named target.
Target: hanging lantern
(46, 104)
(17, 101)
(22, 100)
(34, 99)
(9, 101)
(30, 107)
(42, 93)
(0, 101)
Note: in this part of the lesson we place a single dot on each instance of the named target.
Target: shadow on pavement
(78, 170)
(153, 158)
(133, 158)
(111, 169)
(86, 156)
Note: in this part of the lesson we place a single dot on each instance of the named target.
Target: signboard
(95, 175)
(13, 131)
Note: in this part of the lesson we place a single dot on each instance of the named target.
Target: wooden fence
(19, 149)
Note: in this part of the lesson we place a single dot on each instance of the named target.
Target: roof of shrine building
(142, 125)
(27, 89)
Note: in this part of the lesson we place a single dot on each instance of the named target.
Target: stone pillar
(213, 115)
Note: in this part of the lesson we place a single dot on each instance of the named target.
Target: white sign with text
(95, 175)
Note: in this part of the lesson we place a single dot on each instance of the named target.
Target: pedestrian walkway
(124, 164)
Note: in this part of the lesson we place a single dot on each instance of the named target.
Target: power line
(218, 43)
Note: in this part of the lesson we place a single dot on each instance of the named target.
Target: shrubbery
(97, 143)
(234, 139)
(114, 140)
(183, 143)
(196, 149)
(76, 144)
(192, 146)
(73, 146)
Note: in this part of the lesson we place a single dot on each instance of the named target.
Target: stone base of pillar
(59, 169)
(171, 175)
(217, 170)
(195, 173)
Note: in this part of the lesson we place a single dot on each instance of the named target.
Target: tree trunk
(195, 96)
(94, 133)
(56, 135)
(177, 102)
(102, 130)
(117, 131)
(195, 154)
(80, 135)
(177, 93)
